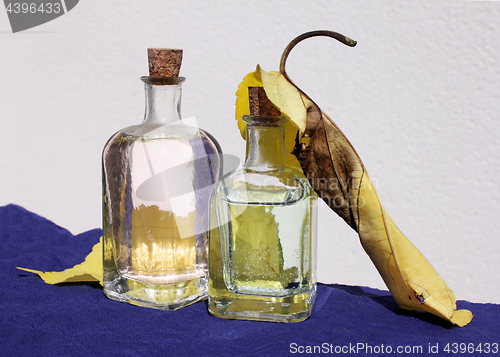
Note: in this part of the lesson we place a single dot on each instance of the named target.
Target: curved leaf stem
(341, 38)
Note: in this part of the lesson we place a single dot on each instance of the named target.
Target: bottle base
(242, 307)
(156, 296)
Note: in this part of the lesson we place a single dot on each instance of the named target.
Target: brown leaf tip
(164, 62)
(260, 104)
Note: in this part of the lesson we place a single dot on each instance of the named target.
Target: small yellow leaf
(89, 270)
(242, 102)
(254, 79)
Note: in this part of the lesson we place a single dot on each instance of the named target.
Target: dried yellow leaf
(338, 175)
(89, 270)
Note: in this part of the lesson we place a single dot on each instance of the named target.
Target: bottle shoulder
(274, 187)
(159, 131)
(173, 131)
(199, 151)
(284, 175)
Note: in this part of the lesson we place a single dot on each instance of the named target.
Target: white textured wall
(418, 98)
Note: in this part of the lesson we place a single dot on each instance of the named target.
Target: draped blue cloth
(76, 319)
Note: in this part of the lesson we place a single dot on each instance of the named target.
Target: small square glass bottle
(263, 234)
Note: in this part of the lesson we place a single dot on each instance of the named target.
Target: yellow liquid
(159, 269)
(155, 253)
(262, 281)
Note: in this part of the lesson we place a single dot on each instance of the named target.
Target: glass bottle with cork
(157, 179)
(263, 229)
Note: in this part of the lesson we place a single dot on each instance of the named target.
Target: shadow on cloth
(387, 301)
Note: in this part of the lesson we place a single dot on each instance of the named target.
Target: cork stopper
(260, 104)
(164, 62)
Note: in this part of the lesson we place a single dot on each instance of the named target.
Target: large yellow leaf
(89, 270)
(337, 174)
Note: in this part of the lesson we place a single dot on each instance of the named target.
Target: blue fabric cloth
(37, 319)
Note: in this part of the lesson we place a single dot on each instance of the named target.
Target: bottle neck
(265, 142)
(163, 99)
